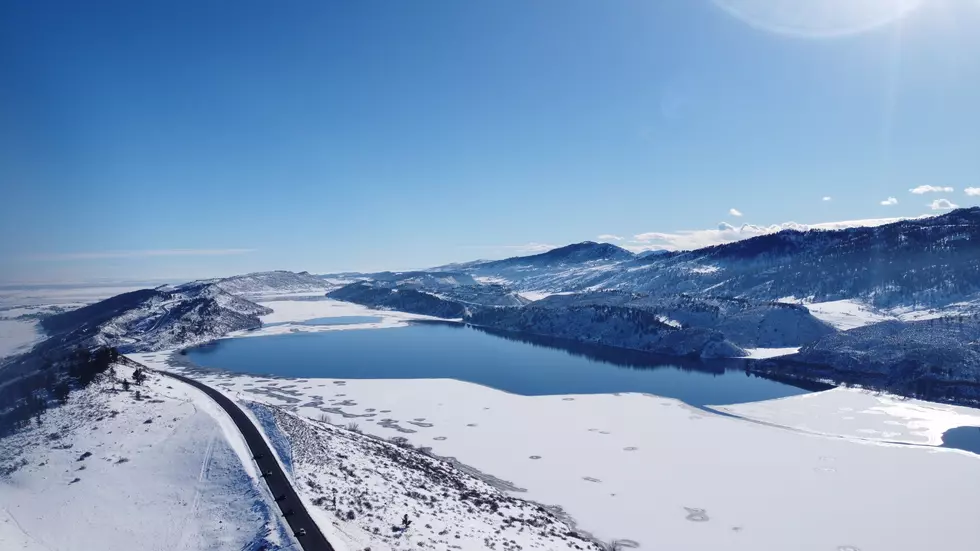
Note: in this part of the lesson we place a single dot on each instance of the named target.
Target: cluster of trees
(29, 396)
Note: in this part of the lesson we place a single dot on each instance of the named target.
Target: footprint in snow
(439, 438)
(604, 432)
(590, 479)
(568, 399)
(471, 424)
(696, 515)
(630, 448)
(825, 469)
(535, 457)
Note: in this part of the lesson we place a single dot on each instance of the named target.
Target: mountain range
(921, 276)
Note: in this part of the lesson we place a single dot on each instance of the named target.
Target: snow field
(658, 472)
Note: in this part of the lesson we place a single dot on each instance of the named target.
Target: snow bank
(658, 472)
(109, 472)
(855, 413)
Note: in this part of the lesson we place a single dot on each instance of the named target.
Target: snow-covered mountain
(921, 263)
(572, 267)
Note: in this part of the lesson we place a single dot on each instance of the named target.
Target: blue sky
(179, 139)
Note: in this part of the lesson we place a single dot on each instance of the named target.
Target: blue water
(521, 365)
(964, 438)
(336, 320)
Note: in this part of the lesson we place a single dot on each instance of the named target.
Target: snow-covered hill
(747, 323)
(259, 284)
(922, 358)
(153, 319)
(619, 326)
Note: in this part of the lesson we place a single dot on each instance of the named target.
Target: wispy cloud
(972, 191)
(735, 212)
(104, 255)
(942, 204)
(828, 198)
(930, 189)
(609, 237)
(726, 233)
(890, 201)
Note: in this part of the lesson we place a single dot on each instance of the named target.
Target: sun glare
(818, 18)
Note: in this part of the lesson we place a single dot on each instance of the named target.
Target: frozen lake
(529, 366)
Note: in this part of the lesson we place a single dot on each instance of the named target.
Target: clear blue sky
(193, 138)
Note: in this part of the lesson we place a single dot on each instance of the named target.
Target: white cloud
(103, 255)
(930, 189)
(942, 204)
(609, 237)
(890, 201)
(735, 212)
(827, 198)
(726, 233)
(972, 191)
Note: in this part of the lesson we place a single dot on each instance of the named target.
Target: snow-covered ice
(658, 472)
(861, 414)
(284, 312)
(845, 314)
(763, 353)
(64, 294)
(18, 336)
(303, 310)
(109, 472)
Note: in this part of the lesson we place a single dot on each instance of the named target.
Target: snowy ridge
(269, 283)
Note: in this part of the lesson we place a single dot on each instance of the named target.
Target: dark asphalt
(292, 507)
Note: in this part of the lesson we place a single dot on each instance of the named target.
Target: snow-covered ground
(109, 472)
(658, 472)
(861, 414)
(361, 487)
(845, 314)
(763, 353)
(968, 308)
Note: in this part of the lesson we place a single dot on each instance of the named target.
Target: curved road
(289, 502)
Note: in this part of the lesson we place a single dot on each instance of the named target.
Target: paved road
(292, 508)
